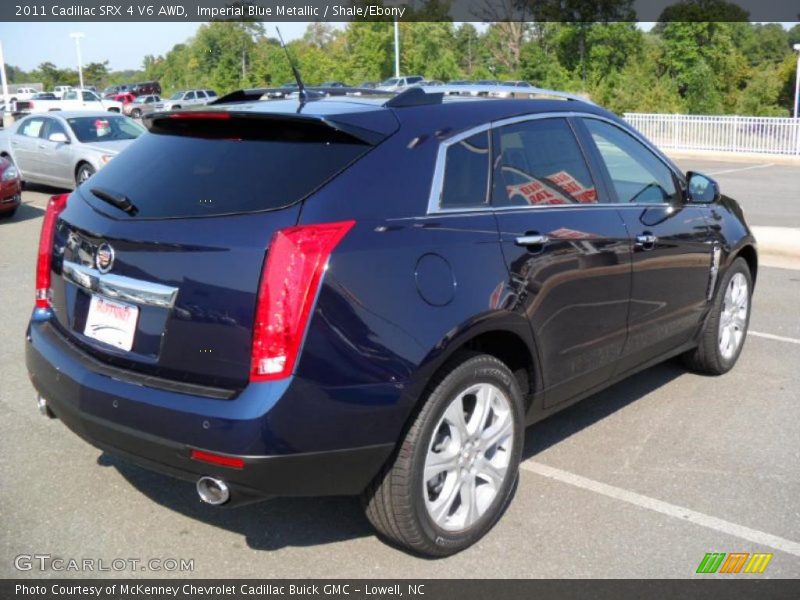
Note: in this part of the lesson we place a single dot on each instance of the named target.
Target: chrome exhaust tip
(213, 491)
(44, 409)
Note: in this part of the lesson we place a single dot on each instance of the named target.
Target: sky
(124, 45)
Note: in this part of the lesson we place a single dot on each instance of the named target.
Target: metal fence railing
(770, 135)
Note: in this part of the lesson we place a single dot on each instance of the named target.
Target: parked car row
(136, 89)
(72, 99)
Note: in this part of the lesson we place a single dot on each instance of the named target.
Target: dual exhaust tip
(213, 491)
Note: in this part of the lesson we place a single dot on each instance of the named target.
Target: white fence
(772, 135)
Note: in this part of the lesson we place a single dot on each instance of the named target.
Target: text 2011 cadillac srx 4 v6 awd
(374, 295)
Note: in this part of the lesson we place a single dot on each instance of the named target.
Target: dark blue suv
(375, 296)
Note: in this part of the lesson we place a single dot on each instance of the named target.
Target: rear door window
(466, 173)
(32, 127)
(250, 165)
(539, 162)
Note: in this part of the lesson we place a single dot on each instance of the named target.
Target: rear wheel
(725, 330)
(457, 466)
(83, 173)
(9, 213)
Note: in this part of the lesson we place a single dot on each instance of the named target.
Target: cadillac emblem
(104, 259)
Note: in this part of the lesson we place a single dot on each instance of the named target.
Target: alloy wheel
(468, 457)
(733, 320)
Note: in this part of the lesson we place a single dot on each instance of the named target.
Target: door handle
(531, 239)
(646, 241)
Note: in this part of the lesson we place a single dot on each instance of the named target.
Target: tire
(8, 214)
(136, 113)
(84, 172)
(718, 351)
(429, 516)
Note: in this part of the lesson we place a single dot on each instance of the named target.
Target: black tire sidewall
(481, 369)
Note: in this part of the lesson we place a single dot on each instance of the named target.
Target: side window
(189, 96)
(200, 94)
(52, 126)
(466, 173)
(32, 128)
(70, 95)
(539, 162)
(637, 174)
(89, 97)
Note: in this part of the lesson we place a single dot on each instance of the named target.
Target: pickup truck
(60, 90)
(72, 100)
(22, 93)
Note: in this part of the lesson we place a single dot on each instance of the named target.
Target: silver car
(65, 148)
(186, 98)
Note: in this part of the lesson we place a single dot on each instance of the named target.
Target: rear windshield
(167, 175)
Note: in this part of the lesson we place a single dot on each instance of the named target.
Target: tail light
(296, 261)
(54, 208)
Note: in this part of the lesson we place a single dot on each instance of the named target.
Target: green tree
(429, 49)
(96, 73)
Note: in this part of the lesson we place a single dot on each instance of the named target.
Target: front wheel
(456, 469)
(84, 172)
(725, 331)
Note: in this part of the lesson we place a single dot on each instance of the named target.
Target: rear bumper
(129, 421)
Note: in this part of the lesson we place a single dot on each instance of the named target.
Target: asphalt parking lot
(639, 481)
(767, 189)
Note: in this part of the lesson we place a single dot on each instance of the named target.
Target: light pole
(4, 82)
(397, 48)
(77, 37)
(797, 81)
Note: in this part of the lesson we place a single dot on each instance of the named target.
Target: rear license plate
(111, 322)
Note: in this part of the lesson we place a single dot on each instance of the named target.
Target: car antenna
(301, 88)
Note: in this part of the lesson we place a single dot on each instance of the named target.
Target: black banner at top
(401, 10)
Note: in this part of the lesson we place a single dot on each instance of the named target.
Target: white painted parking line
(777, 338)
(742, 169)
(665, 508)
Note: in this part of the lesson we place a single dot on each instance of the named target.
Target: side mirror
(59, 137)
(701, 189)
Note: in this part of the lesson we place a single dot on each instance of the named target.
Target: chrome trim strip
(716, 255)
(435, 194)
(118, 287)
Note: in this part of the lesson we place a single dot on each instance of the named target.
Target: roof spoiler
(224, 120)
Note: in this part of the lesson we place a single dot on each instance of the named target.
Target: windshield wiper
(119, 200)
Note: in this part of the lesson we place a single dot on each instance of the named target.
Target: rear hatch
(157, 257)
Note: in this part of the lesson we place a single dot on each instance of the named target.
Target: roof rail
(315, 92)
(412, 97)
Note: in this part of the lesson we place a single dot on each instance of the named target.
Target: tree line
(706, 67)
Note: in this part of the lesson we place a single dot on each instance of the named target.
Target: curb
(783, 242)
(749, 157)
